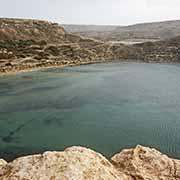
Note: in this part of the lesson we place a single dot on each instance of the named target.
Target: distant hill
(94, 31)
(138, 32)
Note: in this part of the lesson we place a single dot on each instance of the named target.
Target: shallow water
(107, 107)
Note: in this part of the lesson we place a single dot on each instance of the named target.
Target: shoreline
(42, 67)
(15, 71)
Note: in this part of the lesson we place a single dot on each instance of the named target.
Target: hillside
(92, 31)
(138, 32)
(161, 51)
(21, 29)
(30, 44)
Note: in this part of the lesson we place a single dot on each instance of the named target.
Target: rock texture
(144, 163)
(78, 163)
(2, 162)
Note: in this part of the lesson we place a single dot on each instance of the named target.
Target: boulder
(143, 163)
(78, 163)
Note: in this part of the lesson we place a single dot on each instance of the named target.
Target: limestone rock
(74, 163)
(2, 162)
(78, 163)
(143, 163)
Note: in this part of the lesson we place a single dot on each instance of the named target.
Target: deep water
(107, 107)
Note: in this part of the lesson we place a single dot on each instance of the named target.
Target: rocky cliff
(78, 163)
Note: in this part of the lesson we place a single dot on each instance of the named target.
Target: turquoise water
(106, 107)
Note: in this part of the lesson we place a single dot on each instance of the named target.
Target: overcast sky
(119, 12)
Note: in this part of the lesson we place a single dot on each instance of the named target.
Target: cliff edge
(78, 163)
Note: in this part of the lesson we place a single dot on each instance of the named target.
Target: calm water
(106, 107)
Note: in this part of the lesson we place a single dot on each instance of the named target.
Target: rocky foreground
(78, 163)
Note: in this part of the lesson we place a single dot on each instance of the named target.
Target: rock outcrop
(78, 163)
(144, 163)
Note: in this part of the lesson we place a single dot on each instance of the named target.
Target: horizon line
(81, 24)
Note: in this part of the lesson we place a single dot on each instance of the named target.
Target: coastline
(36, 68)
(15, 71)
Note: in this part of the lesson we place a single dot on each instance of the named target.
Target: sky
(102, 12)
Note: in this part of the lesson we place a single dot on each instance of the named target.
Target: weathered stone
(78, 163)
(143, 163)
(74, 163)
(2, 162)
